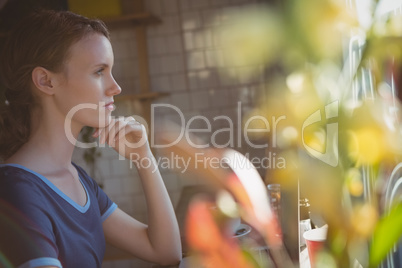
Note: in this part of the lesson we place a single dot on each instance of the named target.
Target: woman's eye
(100, 71)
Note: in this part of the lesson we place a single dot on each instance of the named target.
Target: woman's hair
(42, 38)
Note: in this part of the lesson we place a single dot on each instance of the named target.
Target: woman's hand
(125, 135)
(159, 241)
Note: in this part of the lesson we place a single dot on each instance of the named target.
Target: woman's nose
(114, 88)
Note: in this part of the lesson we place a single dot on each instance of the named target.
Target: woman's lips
(110, 106)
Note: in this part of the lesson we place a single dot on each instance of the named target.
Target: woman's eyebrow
(105, 65)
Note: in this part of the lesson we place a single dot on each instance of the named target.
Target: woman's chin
(103, 122)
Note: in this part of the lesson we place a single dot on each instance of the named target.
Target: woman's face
(87, 85)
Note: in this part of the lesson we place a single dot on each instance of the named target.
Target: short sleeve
(27, 238)
(106, 206)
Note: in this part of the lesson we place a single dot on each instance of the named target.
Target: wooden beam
(131, 20)
(141, 96)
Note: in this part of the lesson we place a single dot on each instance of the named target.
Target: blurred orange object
(214, 247)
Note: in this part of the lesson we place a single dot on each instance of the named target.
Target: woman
(52, 213)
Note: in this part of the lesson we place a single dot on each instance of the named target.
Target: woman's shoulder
(19, 187)
(19, 182)
(14, 172)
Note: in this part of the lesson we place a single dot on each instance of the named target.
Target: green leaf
(251, 258)
(388, 231)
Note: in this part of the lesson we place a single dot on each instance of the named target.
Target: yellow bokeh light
(366, 146)
(250, 36)
(364, 219)
(354, 182)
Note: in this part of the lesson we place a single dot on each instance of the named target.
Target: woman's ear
(43, 80)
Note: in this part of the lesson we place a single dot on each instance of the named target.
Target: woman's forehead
(91, 50)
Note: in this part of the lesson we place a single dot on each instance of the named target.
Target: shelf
(141, 96)
(141, 19)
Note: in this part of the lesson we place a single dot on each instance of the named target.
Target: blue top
(40, 225)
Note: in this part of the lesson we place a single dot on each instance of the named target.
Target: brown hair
(43, 38)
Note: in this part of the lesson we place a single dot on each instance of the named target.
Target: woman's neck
(48, 146)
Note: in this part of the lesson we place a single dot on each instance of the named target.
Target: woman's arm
(159, 241)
